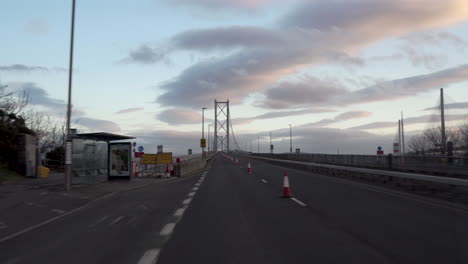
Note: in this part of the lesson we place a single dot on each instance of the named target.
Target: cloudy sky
(339, 71)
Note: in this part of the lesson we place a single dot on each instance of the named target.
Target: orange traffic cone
(237, 162)
(286, 189)
(249, 169)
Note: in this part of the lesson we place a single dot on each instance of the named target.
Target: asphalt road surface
(226, 215)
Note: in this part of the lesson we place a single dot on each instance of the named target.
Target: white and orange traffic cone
(249, 169)
(286, 189)
(237, 162)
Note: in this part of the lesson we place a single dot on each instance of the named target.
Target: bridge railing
(435, 165)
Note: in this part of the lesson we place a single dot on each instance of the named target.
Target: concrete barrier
(188, 167)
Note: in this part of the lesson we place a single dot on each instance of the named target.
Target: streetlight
(290, 138)
(68, 145)
(203, 126)
(209, 142)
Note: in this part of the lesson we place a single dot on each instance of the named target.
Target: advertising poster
(119, 160)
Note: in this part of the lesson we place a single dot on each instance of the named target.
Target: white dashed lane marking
(150, 256)
(167, 229)
(264, 181)
(187, 201)
(298, 202)
(179, 212)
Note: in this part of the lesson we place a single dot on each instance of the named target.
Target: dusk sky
(339, 71)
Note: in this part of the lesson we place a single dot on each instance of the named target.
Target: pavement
(226, 215)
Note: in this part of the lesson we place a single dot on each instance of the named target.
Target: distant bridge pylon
(221, 131)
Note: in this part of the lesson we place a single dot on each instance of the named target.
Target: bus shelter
(101, 156)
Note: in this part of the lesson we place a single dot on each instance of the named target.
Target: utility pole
(251, 146)
(209, 142)
(290, 138)
(271, 149)
(68, 146)
(402, 135)
(203, 126)
(399, 136)
(442, 122)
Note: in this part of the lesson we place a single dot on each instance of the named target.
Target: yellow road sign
(202, 143)
(148, 159)
(164, 158)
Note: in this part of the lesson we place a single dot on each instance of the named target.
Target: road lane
(116, 230)
(236, 218)
(404, 227)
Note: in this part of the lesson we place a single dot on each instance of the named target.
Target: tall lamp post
(203, 127)
(68, 145)
(290, 138)
(209, 142)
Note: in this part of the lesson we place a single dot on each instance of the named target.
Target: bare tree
(418, 144)
(434, 136)
(463, 128)
(10, 102)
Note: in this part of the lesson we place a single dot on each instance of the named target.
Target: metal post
(271, 150)
(209, 142)
(228, 127)
(442, 122)
(215, 139)
(290, 138)
(203, 126)
(68, 160)
(402, 135)
(399, 137)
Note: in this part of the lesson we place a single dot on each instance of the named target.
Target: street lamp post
(290, 138)
(209, 142)
(68, 145)
(203, 126)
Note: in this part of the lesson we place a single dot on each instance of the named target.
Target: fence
(435, 165)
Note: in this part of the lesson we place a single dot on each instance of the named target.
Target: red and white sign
(139, 154)
(380, 152)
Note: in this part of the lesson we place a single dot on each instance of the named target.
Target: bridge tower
(222, 120)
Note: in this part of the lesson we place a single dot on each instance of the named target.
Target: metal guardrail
(435, 165)
(404, 175)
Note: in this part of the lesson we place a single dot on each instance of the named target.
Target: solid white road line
(2, 225)
(264, 181)
(192, 194)
(179, 212)
(150, 256)
(167, 229)
(187, 201)
(117, 220)
(299, 202)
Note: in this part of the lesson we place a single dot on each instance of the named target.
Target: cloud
(173, 141)
(278, 114)
(406, 87)
(129, 110)
(223, 4)
(425, 119)
(96, 124)
(315, 32)
(301, 93)
(28, 68)
(37, 95)
(145, 55)
(341, 117)
(461, 105)
(179, 116)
